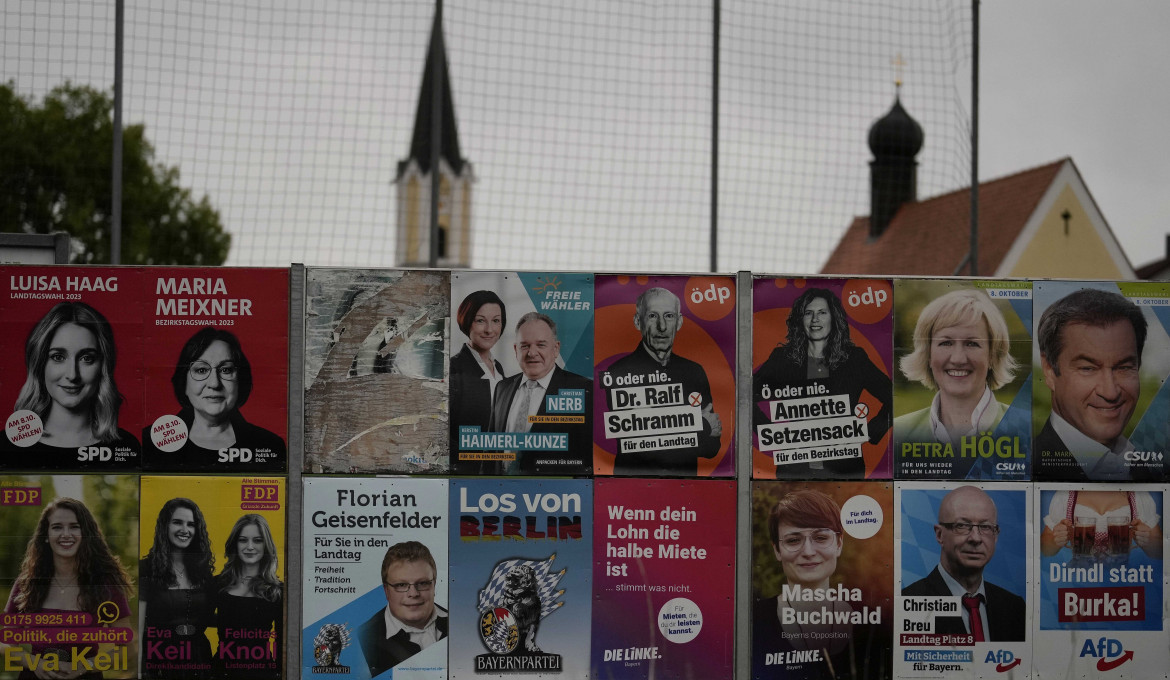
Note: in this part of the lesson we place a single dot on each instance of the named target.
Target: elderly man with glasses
(967, 533)
(411, 621)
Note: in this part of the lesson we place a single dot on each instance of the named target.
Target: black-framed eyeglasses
(964, 528)
(420, 586)
(201, 370)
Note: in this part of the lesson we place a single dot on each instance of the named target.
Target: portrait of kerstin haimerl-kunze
(1091, 344)
(411, 621)
(967, 532)
(962, 351)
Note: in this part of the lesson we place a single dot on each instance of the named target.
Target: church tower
(415, 174)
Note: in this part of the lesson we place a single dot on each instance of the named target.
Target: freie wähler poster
(70, 368)
(521, 373)
(663, 578)
(965, 566)
(216, 358)
(963, 379)
(211, 572)
(821, 395)
(664, 399)
(521, 578)
(375, 370)
(1103, 355)
(821, 588)
(68, 575)
(375, 560)
(1101, 594)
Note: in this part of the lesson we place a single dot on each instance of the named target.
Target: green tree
(55, 163)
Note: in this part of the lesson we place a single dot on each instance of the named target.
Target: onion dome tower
(895, 139)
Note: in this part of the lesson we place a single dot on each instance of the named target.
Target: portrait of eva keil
(1100, 408)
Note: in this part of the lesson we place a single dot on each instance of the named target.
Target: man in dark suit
(966, 533)
(1091, 345)
(522, 397)
(411, 621)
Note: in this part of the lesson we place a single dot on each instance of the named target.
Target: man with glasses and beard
(967, 533)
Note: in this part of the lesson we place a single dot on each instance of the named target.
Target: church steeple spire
(420, 141)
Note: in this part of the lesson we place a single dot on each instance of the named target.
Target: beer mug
(1119, 535)
(1083, 535)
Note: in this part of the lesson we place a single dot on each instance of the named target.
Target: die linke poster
(375, 564)
(1102, 581)
(663, 578)
(71, 368)
(215, 350)
(821, 395)
(664, 399)
(521, 578)
(375, 370)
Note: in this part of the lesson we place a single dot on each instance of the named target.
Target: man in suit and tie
(967, 533)
(520, 401)
(411, 621)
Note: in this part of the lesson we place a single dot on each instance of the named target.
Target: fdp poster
(216, 360)
(963, 383)
(70, 368)
(521, 567)
(521, 361)
(1103, 352)
(663, 578)
(664, 402)
(211, 577)
(375, 370)
(821, 394)
(1102, 586)
(375, 578)
(965, 568)
(822, 592)
(68, 566)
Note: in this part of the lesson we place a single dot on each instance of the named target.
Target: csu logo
(1108, 652)
(1003, 659)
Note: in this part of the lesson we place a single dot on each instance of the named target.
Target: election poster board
(521, 569)
(821, 588)
(664, 403)
(1102, 584)
(375, 370)
(70, 368)
(1103, 412)
(229, 621)
(61, 622)
(216, 356)
(949, 536)
(361, 533)
(524, 412)
(663, 578)
(963, 379)
(821, 392)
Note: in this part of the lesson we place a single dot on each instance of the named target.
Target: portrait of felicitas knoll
(1091, 344)
(967, 532)
(411, 621)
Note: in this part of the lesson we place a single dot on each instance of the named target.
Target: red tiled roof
(932, 237)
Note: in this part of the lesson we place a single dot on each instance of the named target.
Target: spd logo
(1003, 659)
(1108, 652)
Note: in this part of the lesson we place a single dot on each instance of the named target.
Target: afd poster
(375, 578)
(521, 572)
(375, 370)
(70, 368)
(1103, 353)
(211, 577)
(521, 367)
(963, 384)
(821, 395)
(965, 568)
(68, 569)
(663, 578)
(1102, 586)
(664, 403)
(215, 352)
(822, 593)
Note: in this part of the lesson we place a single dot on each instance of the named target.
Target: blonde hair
(967, 306)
